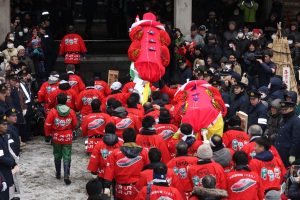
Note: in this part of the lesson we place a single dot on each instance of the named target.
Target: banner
(286, 77)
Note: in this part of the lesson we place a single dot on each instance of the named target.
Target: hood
(110, 139)
(222, 156)
(148, 131)
(64, 86)
(131, 152)
(63, 110)
(208, 192)
(292, 95)
(151, 166)
(264, 156)
(120, 112)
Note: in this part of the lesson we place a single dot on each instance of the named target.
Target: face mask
(20, 34)
(10, 45)
(12, 38)
(290, 41)
(25, 30)
(240, 35)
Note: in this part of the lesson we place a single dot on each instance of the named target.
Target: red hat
(257, 31)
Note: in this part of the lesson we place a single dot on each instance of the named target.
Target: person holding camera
(267, 68)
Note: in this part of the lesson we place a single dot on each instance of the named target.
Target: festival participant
(93, 125)
(63, 87)
(160, 188)
(59, 124)
(124, 166)
(103, 150)
(47, 88)
(148, 138)
(235, 138)
(150, 110)
(180, 163)
(128, 87)
(75, 81)
(133, 108)
(147, 174)
(85, 98)
(164, 127)
(242, 182)
(187, 135)
(206, 165)
(270, 168)
(102, 86)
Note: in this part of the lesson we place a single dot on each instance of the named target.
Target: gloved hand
(47, 139)
(4, 186)
(24, 112)
(107, 191)
(292, 159)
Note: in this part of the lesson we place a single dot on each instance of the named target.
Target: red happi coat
(179, 165)
(192, 150)
(137, 113)
(100, 155)
(76, 83)
(160, 192)
(197, 172)
(235, 139)
(249, 149)
(103, 87)
(60, 127)
(85, 98)
(128, 87)
(71, 46)
(241, 184)
(166, 131)
(44, 92)
(123, 123)
(71, 94)
(271, 172)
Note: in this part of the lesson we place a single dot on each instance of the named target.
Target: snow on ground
(37, 173)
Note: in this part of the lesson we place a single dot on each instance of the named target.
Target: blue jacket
(13, 138)
(7, 162)
(258, 115)
(265, 73)
(239, 103)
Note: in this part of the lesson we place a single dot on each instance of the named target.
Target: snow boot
(57, 168)
(67, 166)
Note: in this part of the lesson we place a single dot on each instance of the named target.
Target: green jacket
(249, 10)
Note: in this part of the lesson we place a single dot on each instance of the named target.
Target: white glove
(292, 159)
(24, 112)
(107, 191)
(4, 186)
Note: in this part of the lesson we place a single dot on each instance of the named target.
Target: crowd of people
(144, 151)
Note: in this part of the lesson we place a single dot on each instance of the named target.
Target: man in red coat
(256, 132)
(151, 111)
(235, 138)
(164, 127)
(133, 109)
(59, 124)
(103, 150)
(159, 188)
(85, 98)
(206, 166)
(180, 163)
(242, 182)
(124, 166)
(269, 167)
(75, 81)
(93, 125)
(102, 86)
(63, 87)
(47, 88)
(71, 46)
(149, 139)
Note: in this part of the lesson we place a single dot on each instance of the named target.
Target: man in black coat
(287, 142)
(7, 162)
(240, 101)
(12, 131)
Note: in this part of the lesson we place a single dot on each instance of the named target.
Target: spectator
(185, 71)
(267, 68)
(241, 41)
(9, 38)
(25, 58)
(274, 120)
(276, 89)
(231, 33)
(212, 48)
(249, 7)
(194, 37)
(10, 50)
(213, 24)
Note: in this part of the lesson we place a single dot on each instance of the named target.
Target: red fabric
(241, 184)
(44, 92)
(158, 192)
(166, 131)
(192, 150)
(271, 172)
(150, 141)
(123, 123)
(147, 177)
(138, 114)
(235, 139)
(126, 192)
(155, 114)
(128, 87)
(125, 174)
(197, 172)
(103, 87)
(122, 97)
(71, 94)
(94, 124)
(148, 50)
(249, 149)
(99, 157)
(59, 127)
(76, 83)
(179, 165)
(72, 43)
(85, 98)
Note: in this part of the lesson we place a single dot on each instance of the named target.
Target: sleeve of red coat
(142, 194)
(41, 93)
(52, 99)
(168, 91)
(260, 192)
(222, 179)
(62, 47)
(84, 127)
(81, 85)
(82, 45)
(74, 119)
(164, 149)
(110, 167)
(48, 123)
(141, 182)
(78, 102)
(94, 160)
(177, 184)
(225, 140)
